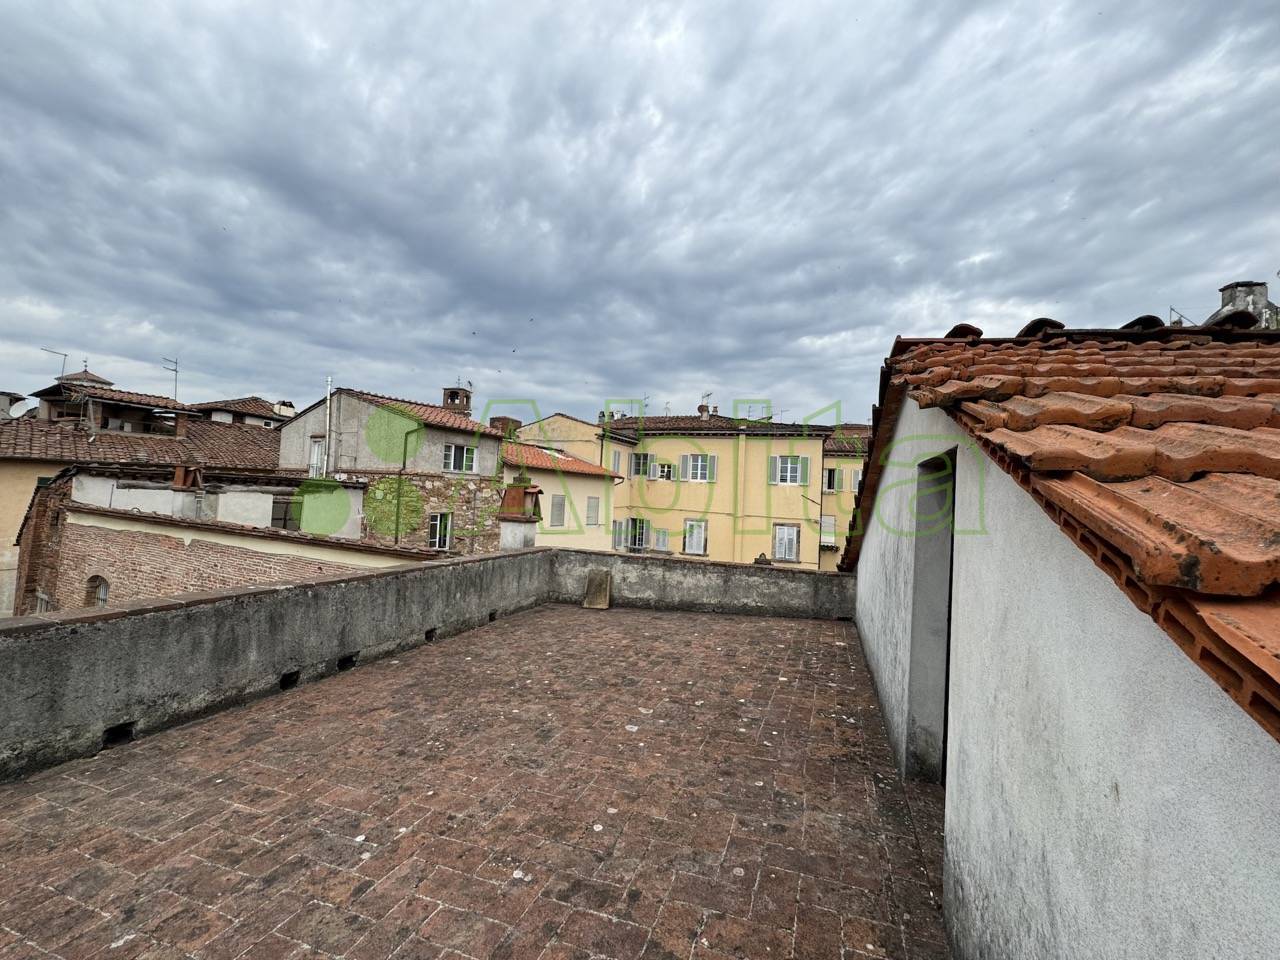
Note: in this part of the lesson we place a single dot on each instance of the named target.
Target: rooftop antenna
(58, 353)
(706, 396)
(644, 404)
(1181, 318)
(174, 371)
(666, 409)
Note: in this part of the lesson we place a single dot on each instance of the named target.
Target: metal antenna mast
(58, 353)
(174, 371)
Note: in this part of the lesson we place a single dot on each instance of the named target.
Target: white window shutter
(653, 468)
(804, 471)
(773, 470)
(711, 469)
(684, 466)
(839, 478)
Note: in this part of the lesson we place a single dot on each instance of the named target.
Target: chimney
(1248, 296)
(457, 400)
(179, 424)
(507, 426)
(600, 417)
(715, 410)
(704, 411)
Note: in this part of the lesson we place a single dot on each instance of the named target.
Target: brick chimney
(507, 426)
(704, 411)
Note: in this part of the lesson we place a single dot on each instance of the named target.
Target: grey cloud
(752, 199)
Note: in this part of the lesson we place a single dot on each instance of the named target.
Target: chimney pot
(704, 411)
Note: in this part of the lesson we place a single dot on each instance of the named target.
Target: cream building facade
(575, 495)
(716, 487)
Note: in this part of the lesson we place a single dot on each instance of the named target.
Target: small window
(43, 603)
(593, 511)
(695, 537)
(640, 464)
(284, 515)
(316, 465)
(97, 592)
(831, 479)
(557, 510)
(698, 466)
(786, 541)
(638, 535)
(459, 458)
(665, 471)
(439, 530)
(828, 531)
(789, 470)
(661, 540)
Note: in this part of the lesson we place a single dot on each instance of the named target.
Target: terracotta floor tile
(386, 812)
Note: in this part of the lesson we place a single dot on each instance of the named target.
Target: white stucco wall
(249, 507)
(1104, 798)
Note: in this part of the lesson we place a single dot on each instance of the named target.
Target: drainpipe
(328, 422)
(404, 464)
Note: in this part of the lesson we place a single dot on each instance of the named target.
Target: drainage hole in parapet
(290, 679)
(493, 615)
(347, 661)
(429, 636)
(119, 734)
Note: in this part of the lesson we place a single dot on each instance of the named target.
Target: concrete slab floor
(563, 783)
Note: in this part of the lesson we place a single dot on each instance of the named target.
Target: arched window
(98, 592)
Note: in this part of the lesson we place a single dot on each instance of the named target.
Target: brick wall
(140, 565)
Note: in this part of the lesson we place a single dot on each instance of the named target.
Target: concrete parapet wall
(66, 680)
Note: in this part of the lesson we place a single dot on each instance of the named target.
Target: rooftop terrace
(559, 783)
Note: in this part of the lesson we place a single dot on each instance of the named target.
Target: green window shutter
(684, 466)
(711, 469)
(773, 470)
(839, 478)
(804, 471)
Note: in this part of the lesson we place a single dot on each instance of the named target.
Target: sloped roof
(218, 445)
(714, 423)
(539, 458)
(1157, 451)
(850, 439)
(110, 395)
(428, 413)
(84, 376)
(253, 406)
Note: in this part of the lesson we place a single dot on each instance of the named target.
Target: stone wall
(65, 679)
(470, 499)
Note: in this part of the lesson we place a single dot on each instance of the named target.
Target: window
(828, 531)
(617, 462)
(695, 537)
(831, 477)
(97, 592)
(698, 467)
(786, 541)
(665, 471)
(438, 530)
(316, 465)
(661, 541)
(557, 510)
(283, 514)
(459, 459)
(43, 603)
(637, 534)
(789, 471)
(593, 511)
(641, 463)
(619, 534)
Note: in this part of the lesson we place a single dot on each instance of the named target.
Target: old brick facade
(58, 560)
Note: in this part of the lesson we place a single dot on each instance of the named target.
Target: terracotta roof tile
(428, 413)
(714, 423)
(254, 406)
(217, 445)
(1157, 450)
(151, 400)
(536, 458)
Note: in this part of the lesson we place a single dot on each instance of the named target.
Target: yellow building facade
(715, 487)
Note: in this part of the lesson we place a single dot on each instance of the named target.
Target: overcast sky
(569, 202)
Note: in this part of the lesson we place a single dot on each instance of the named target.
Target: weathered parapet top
(70, 681)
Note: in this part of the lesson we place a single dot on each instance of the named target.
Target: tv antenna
(58, 353)
(174, 370)
(1182, 318)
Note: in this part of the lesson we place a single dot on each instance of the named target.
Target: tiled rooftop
(538, 458)
(558, 784)
(1157, 450)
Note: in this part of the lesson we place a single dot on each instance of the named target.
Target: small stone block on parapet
(599, 584)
